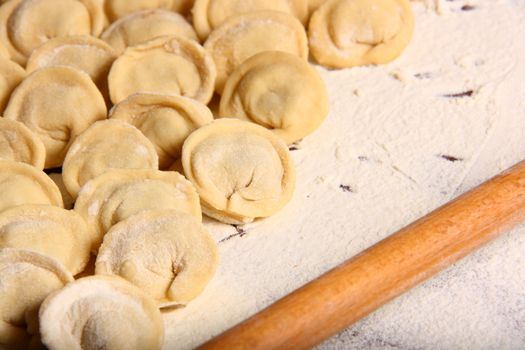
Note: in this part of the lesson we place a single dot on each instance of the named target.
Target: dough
(66, 197)
(347, 33)
(241, 170)
(108, 144)
(86, 53)
(19, 144)
(165, 120)
(49, 230)
(166, 65)
(27, 24)
(292, 108)
(209, 14)
(26, 279)
(245, 35)
(100, 312)
(119, 8)
(167, 254)
(142, 26)
(119, 194)
(57, 104)
(314, 5)
(11, 74)
(23, 184)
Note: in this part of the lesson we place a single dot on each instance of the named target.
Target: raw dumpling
(57, 104)
(166, 65)
(292, 108)
(19, 144)
(245, 35)
(86, 53)
(241, 170)
(108, 144)
(119, 8)
(27, 24)
(26, 279)
(66, 197)
(167, 254)
(11, 74)
(165, 120)
(142, 26)
(347, 33)
(314, 5)
(209, 14)
(119, 194)
(53, 231)
(100, 312)
(23, 184)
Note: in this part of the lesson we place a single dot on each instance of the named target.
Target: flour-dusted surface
(400, 140)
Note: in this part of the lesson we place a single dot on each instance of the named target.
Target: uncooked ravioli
(142, 26)
(11, 74)
(245, 35)
(57, 104)
(166, 65)
(119, 194)
(119, 8)
(106, 145)
(167, 254)
(19, 144)
(165, 120)
(241, 170)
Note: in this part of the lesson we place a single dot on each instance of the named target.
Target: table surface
(401, 139)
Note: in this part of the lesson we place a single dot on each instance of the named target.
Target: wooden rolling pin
(362, 284)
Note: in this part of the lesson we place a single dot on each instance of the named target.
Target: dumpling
(11, 74)
(119, 8)
(19, 144)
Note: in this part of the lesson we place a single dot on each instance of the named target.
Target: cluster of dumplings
(106, 103)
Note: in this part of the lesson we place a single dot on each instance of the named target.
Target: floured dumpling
(209, 14)
(167, 254)
(166, 65)
(57, 104)
(165, 120)
(245, 35)
(19, 144)
(108, 144)
(11, 74)
(66, 197)
(292, 108)
(346, 33)
(100, 312)
(142, 26)
(119, 8)
(53, 231)
(86, 53)
(26, 279)
(119, 194)
(23, 184)
(314, 5)
(241, 170)
(27, 24)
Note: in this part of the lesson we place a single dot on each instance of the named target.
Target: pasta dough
(11, 74)
(292, 108)
(241, 170)
(119, 8)
(86, 53)
(209, 14)
(57, 104)
(100, 312)
(27, 24)
(245, 35)
(26, 279)
(346, 33)
(168, 254)
(49, 230)
(119, 194)
(166, 65)
(19, 144)
(108, 144)
(142, 26)
(23, 184)
(165, 120)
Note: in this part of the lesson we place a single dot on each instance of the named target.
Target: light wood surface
(362, 284)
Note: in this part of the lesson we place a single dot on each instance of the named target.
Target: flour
(401, 139)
